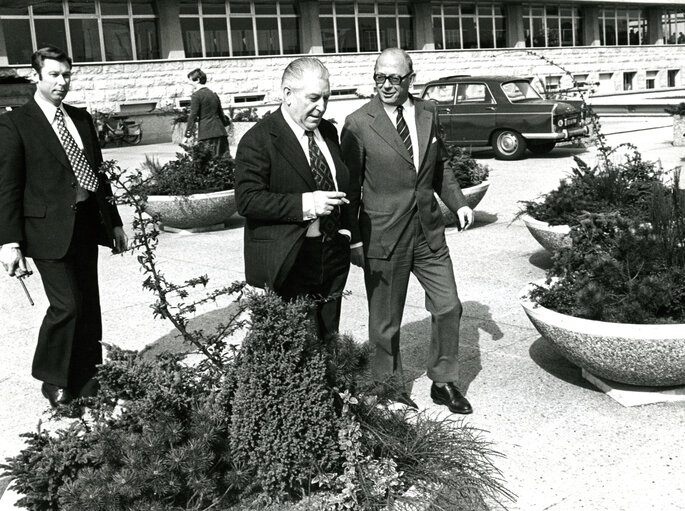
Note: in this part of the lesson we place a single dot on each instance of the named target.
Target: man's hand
(465, 216)
(120, 240)
(324, 202)
(357, 256)
(13, 261)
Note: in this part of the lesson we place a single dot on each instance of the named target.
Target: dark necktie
(328, 224)
(403, 130)
(79, 164)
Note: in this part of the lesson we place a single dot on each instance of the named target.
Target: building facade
(133, 52)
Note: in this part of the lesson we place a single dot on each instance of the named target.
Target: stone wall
(106, 87)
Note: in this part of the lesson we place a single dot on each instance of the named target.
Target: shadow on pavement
(545, 355)
(542, 259)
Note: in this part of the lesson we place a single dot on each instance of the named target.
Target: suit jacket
(205, 108)
(391, 186)
(38, 186)
(272, 173)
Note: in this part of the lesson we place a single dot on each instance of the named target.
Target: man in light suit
(55, 207)
(291, 185)
(392, 147)
(206, 110)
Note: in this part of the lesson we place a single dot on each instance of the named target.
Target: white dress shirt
(409, 114)
(308, 212)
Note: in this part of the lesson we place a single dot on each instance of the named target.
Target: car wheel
(541, 147)
(508, 145)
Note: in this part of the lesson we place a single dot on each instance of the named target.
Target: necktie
(84, 174)
(403, 130)
(328, 224)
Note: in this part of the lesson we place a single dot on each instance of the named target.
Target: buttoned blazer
(205, 108)
(272, 173)
(38, 186)
(390, 184)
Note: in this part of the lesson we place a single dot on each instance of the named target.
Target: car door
(443, 95)
(474, 114)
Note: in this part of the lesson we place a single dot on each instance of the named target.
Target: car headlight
(560, 123)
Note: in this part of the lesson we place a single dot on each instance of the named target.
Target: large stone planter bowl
(473, 194)
(194, 211)
(551, 237)
(647, 355)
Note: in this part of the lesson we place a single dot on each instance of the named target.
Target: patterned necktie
(403, 130)
(328, 224)
(84, 174)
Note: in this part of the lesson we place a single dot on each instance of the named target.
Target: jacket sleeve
(192, 115)
(12, 181)
(445, 183)
(353, 155)
(255, 197)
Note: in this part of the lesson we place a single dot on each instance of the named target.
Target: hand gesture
(13, 261)
(324, 202)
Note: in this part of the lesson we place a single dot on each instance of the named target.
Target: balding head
(294, 74)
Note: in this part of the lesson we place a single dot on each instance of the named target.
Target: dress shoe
(58, 396)
(404, 399)
(450, 396)
(90, 388)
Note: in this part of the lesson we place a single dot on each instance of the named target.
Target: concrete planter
(473, 194)
(178, 131)
(679, 130)
(551, 237)
(197, 212)
(647, 355)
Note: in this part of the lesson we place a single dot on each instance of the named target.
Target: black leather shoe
(450, 396)
(404, 399)
(58, 396)
(90, 388)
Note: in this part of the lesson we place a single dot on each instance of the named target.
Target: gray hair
(294, 73)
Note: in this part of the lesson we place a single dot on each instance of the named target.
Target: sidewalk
(568, 446)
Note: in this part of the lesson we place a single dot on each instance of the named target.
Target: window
(89, 30)
(673, 77)
(628, 79)
(552, 83)
(519, 90)
(468, 25)
(552, 25)
(651, 79)
(622, 27)
(473, 93)
(365, 25)
(673, 23)
(443, 94)
(214, 28)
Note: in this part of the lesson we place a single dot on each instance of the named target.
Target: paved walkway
(568, 447)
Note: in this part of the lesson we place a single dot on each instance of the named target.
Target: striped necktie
(328, 224)
(79, 164)
(403, 130)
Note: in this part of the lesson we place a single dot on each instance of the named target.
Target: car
(504, 112)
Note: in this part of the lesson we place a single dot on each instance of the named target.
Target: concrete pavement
(567, 446)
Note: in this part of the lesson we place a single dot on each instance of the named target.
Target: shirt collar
(391, 110)
(297, 129)
(48, 108)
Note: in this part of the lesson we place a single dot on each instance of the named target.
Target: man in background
(56, 207)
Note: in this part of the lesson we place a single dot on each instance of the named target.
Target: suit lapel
(44, 132)
(424, 121)
(382, 125)
(81, 123)
(341, 175)
(287, 144)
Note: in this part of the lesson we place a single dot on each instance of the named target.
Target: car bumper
(558, 136)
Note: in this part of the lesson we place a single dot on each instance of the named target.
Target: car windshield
(520, 90)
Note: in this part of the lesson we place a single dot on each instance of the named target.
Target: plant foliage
(196, 170)
(465, 168)
(678, 109)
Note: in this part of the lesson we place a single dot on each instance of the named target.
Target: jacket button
(73, 206)
(73, 184)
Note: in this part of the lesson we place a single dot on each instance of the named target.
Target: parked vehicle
(504, 112)
(112, 128)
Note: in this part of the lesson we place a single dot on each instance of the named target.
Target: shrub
(243, 114)
(621, 268)
(678, 109)
(624, 186)
(465, 168)
(195, 171)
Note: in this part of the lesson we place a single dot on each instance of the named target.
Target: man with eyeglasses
(392, 148)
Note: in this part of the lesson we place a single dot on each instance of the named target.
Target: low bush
(468, 171)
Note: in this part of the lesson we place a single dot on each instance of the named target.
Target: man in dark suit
(55, 207)
(205, 109)
(291, 185)
(392, 147)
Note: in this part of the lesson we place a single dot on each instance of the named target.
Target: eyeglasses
(393, 79)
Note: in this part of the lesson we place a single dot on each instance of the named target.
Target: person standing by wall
(392, 147)
(206, 110)
(55, 207)
(291, 185)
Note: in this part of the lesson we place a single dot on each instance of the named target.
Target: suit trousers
(387, 281)
(68, 348)
(320, 270)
